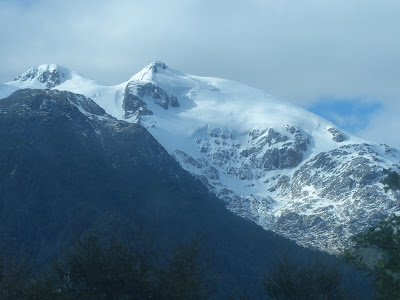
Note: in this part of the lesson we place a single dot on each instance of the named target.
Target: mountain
(44, 77)
(67, 168)
(276, 164)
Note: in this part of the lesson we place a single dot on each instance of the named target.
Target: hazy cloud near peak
(300, 51)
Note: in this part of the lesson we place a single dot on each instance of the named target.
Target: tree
(14, 276)
(290, 281)
(95, 269)
(382, 243)
(391, 181)
(186, 275)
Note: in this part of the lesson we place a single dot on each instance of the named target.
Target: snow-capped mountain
(44, 76)
(68, 169)
(270, 161)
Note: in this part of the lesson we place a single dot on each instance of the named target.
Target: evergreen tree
(112, 270)
(383, 241)
(186, 275)
(391, 181)
(290, 281)
(14, 277)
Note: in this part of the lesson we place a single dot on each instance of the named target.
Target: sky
(339, 59)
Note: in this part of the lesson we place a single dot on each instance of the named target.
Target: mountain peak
(148, 72)
(155, 65)
(46, 75)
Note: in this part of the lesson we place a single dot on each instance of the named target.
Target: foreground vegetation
(98, 268)
(114, 269)
(377, 252)
(95, 269)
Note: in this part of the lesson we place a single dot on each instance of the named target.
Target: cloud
(383, 126)
(301, 51)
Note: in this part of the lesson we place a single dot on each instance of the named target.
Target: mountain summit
(151, 69)
(43, 76)
(272, 162)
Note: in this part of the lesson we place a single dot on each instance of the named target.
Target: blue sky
(352, 115)
(298, 51)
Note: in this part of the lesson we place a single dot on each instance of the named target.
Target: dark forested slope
(66, 167)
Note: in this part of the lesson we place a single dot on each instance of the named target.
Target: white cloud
(384, 126)
(296, 50)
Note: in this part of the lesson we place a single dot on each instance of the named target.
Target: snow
(107, 97)
(212, 107)
(205, 102)
(216, 102)
(31, 78)
(6, 90)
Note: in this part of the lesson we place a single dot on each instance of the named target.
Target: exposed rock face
(278, 165)
(50, 78)
(159, 96)
(333, 195)
(336, 135)
(138, 95)
(319, 201)
(158, 64)
(45, 102)
(248, 158)
(134, 106)
(50, 75)
(256, 152)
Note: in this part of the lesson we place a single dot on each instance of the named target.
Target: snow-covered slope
(272, 162)
(43, 76)
(6, 90)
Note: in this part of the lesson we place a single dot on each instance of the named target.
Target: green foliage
(315, 281)
(185, 277)
(14, 276)
(97, 270)
(391, 181)
(382, 239)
